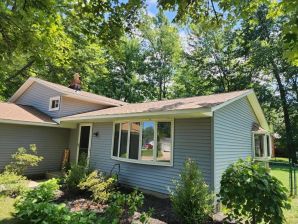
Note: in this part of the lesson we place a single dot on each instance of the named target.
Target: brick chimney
(76, 82)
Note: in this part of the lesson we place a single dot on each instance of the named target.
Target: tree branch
(24, 68)
(214, 11)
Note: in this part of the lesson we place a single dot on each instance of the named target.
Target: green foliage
(191, 198)
(45, 192)
(22, 159)
(252, 194)
(100, 186)
(123, 206)
(74, 176)
(34, 206)
(12, 184)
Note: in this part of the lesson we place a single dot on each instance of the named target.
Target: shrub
(123, 206)
(100, 186)
(23, 159)
(12, 184)
(35, 206)
(74, 176)
(251, 193)
(45, 192)
(191, 199)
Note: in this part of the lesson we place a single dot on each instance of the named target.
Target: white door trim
(79, 139)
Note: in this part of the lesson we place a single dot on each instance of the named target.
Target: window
(54, 103)
(164, 143)
(146, 142)
(261, 145)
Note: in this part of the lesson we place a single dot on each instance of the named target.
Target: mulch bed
(162, 209)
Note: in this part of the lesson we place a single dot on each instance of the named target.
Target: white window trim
(138, 161)
(89, 143)
(50, 103)
(265, 134)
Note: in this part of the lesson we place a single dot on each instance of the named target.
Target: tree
(125, 79)
(265, 50)
(53, 39)
(212, 13)
(163, 50)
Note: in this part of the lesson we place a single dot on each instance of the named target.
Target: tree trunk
(283, 97)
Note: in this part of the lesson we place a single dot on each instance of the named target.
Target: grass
(279, 159)
(7, 209)
(282, 173)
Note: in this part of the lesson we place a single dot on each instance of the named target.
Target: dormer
(59, 101)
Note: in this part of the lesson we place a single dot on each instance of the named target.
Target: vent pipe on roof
(76, 82)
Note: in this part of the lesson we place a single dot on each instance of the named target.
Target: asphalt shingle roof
(166, 105)
(14, 112)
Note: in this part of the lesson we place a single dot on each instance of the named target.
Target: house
(150, 141)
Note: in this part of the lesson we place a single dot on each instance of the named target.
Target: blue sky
(152, 9)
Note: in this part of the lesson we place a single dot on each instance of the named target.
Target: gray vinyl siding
(50, 143)
(70, 106)
(38, 96)
(73, 143)
(232, 126)
(192, 140)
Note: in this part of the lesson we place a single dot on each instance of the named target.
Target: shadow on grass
(9, 221)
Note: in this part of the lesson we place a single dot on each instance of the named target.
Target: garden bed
(162, 209)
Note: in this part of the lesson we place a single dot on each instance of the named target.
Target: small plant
(100, 186)
(122, 207)
(23, 159)
(145, 216)
(252, 194)
(12, 184)
(74, 176)
(191, 198)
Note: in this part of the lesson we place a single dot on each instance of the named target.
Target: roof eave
(253, 100)
(30, 81)
(206, 112)
(87, 99)
(45, 124)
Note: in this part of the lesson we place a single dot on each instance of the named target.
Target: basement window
(144, 142)
(54, 103)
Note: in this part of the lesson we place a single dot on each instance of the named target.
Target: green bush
(74, 176)
(100, 186)
(123, 206)
(23, 159)
(45, 192)
(191, 198)
(252, 194)
(12, 184)
(35, 206)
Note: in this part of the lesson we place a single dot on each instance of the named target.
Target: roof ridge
(69, 90)
(214, 94)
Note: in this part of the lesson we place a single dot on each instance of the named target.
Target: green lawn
(279, 159)
(6, 205)
(283, 175)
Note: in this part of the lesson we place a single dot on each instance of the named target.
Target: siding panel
(50, 144)
(38, 96)
(192, 139)
(232, 135)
